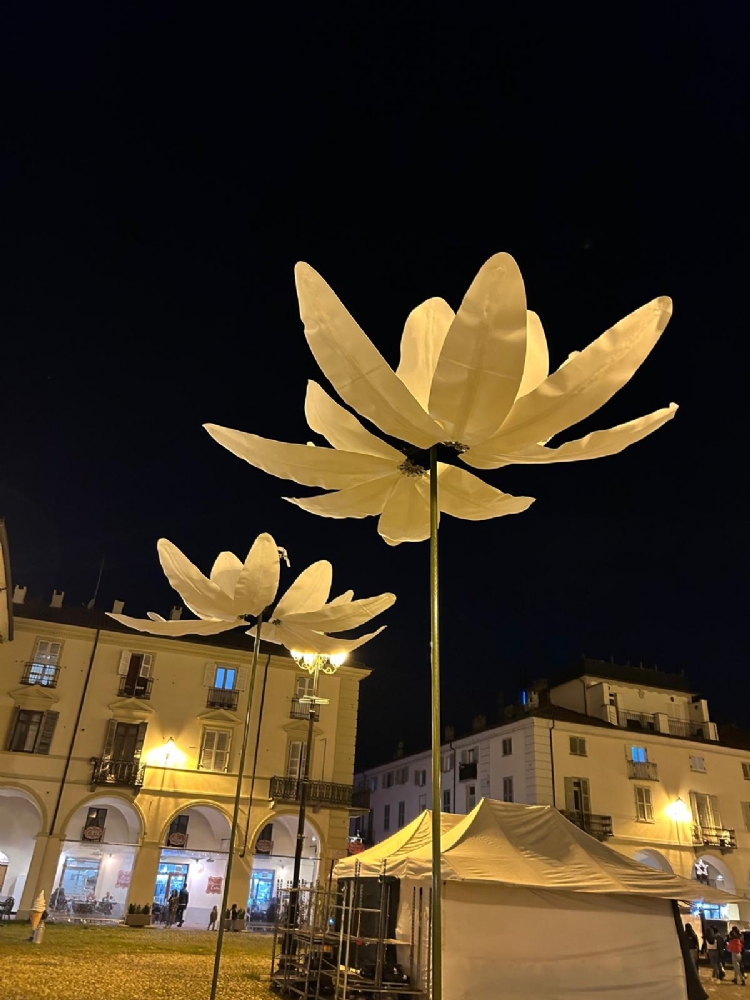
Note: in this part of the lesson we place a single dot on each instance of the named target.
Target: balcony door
(578, 796)
(705, 809)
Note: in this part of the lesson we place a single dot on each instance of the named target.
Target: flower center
(410, 468)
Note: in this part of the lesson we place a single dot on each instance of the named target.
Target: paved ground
(123, 963)
(726, 989)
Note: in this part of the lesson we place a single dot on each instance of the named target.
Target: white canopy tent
(534, 907)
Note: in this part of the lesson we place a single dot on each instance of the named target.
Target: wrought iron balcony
(117, 772)
(222, 698)
(643, 770)
(139, 688)
(688, 730)
(714, 836)
(319, 793)
(641, 722)
(467, 771)
(597, 826)
(44, 674)
(299, 709)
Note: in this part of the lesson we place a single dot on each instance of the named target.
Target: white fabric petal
(482, 361)
(341, 599)
(462, 494)
(598, 444)
(421, 343)
(341, 618)
(588, 379)
(358, 501)
(210, 626)
(324, 467)
(340, 428)
(406, 515)
(259, 577)
(306, 641)
(536, 366)
(268, 633)
(154, 617)
(203, 597)
(355, 368)
(309, 591)
(225, 571)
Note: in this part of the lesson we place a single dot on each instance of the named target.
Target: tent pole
(437, 937)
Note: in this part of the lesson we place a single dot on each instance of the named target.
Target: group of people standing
(714, 945)
(176, 906)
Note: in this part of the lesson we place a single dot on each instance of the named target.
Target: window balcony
(222, 698)
(640, 722)
(44, 674)
(468, 771)
(117, 772)
(299, 709)
(714, 836)
(139, 688)
(319, 793)
(688, 730)
(643, 770)
(597, 826)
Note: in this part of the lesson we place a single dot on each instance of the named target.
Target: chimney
(19, 594)
(118, 607)
(57, 598)
(176, 613)
(450, 734)
(478, 722)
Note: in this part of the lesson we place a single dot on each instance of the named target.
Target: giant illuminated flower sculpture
(237, 592)
(475, 382)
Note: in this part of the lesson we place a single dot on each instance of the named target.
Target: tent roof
(521, 845)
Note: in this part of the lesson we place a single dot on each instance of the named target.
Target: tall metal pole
(235, 814)
(437, 936)
(312, 718)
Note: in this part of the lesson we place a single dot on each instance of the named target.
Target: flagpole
(437, 968)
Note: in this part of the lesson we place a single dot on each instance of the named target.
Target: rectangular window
(386, 817)
(697, 764)
(446, 763)
(746, 770)
(422, 803)
(32, 732)
(402, 775)
(639, 755)
(43, 669)
(469, 756)
(578, 795)
(177, 833)
(447, 800)
(225, 678)
(420, 777)
(705, 809)
(508, 790)
(388, 779)
(746, 814)
(93, 828)
(401, 814)
(303, 685)
(215, 750)
(372, 783)
(471, 797)
(507, 746)
(644, 807)
(295, 759)
(578, 746)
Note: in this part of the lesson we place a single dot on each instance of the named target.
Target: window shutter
(746, 814)
(12, 730)
(240, 682)
(221, 753)
(694, 808)
(715, 811)
(124, 662)
(46, 732)
(142, 727)
(109, 739)
(209, 674)
(207, 750)
(570, 799)
(145, 670)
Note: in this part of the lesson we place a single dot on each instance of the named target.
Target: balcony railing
(597, 826)
(117, 772)
(222, 698)
(299, 709)
(688, 730)
(321, 793)
(640, 721)
(467, 771)
(643, 770)
(44, 674)
(714, 836)
(139, 688)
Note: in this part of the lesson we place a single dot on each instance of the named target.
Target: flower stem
(437, 935)
(235, 814)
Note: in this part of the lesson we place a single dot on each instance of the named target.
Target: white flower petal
(482, 361)
(324, 467)
(536, 366)
(225, 571)
(200, 594)
(309, 591)
(259, 577)
(307, 641)
(358, 501)
(184, 626)
(268, 633)
(461, 494)
(340, 428)
(406, 515)
(341, 599)
(598, 444)
(588, 379)
(421, 343)
(355, 368)
(341, 618)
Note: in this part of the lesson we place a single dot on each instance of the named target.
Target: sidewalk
(725, 988)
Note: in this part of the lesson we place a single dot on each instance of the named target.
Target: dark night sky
(163, 167)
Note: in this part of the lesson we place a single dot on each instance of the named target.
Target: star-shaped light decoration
(237, 593)
(475, 382)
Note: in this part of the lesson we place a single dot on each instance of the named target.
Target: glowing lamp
(679, 812)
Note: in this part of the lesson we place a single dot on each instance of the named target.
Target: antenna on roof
(92, 602)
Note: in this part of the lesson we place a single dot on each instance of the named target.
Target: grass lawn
(122, 963)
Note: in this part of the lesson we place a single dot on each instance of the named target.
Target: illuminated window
(639, 755)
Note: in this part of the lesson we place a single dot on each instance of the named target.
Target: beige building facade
(118, 766)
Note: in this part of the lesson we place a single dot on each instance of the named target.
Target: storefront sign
(123, 880)
(213, 886)
(264, 847)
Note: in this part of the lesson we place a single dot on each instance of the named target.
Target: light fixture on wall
(678, 812)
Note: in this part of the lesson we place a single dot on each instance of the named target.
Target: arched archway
(654, 860)
(713, 870)
(273, 845)
(20, 822)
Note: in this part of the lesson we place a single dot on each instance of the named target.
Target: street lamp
(314, 664)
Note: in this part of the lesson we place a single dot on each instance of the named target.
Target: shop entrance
(169, 877)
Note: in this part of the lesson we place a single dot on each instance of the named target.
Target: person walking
(172, 908)
(736, 948)
(693, 944)
(182, 901)
(712, 951)
(212, 918)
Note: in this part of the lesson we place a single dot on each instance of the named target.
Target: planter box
(137, 919)
(238, 925)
